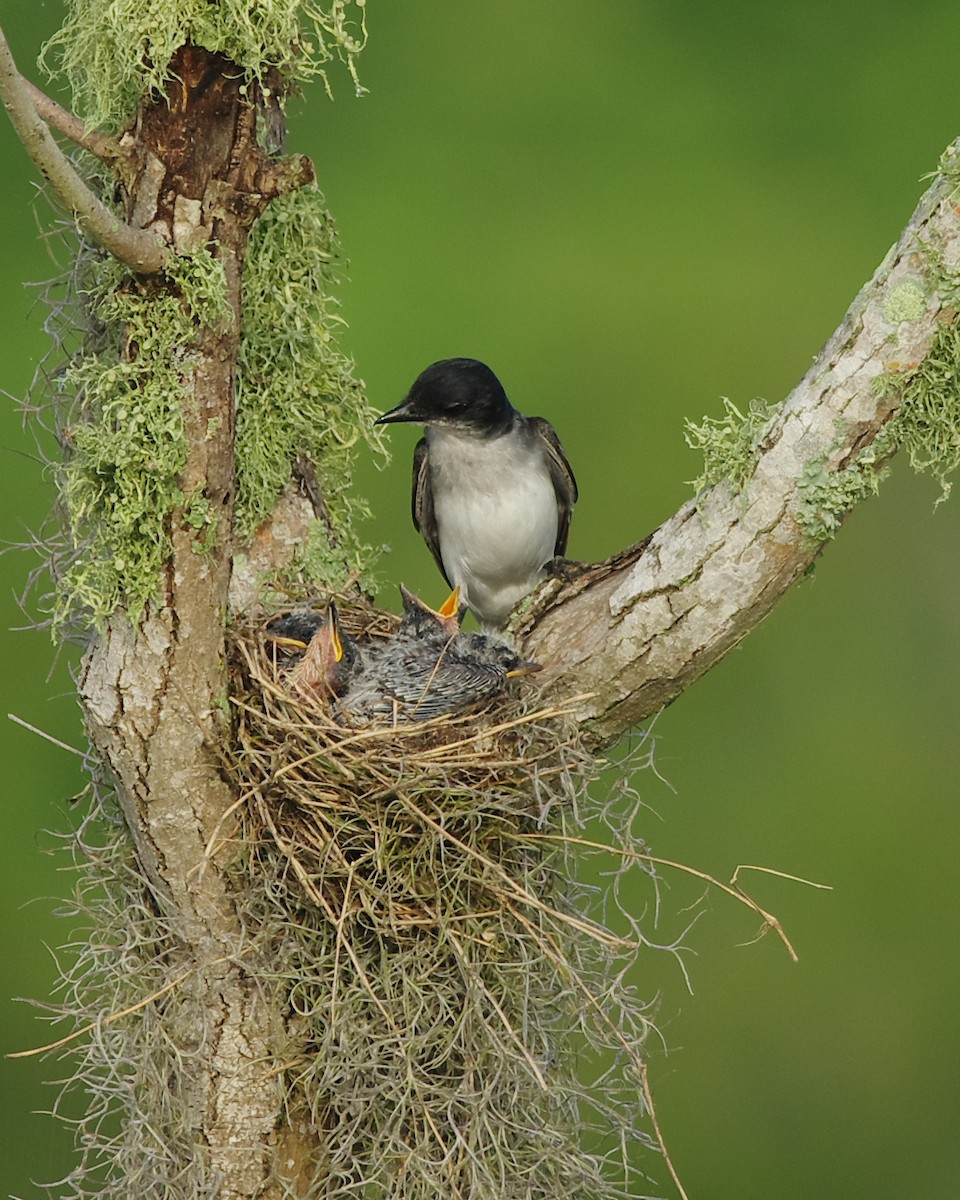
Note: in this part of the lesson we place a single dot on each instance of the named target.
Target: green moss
(111, 53)
(198, 514)
(927, 424)
(927, 421)
(906, 302)
(330, 565)
(297, 395)
(827, 496)
(730, 444)
(949, 168)
(296, 390)
(120, 480)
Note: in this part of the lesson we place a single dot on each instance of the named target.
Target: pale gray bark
(632, 633)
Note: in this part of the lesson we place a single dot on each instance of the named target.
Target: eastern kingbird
(492, 490)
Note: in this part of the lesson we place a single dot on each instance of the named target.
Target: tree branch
(637, 630)
(140, 250)
(107, 149)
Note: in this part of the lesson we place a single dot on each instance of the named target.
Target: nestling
(429, 668)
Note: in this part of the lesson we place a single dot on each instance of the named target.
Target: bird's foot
(566, 569)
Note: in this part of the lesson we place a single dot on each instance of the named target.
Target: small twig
(46, 736)
(126, 1012)
(732, 888)
(211, 846)
(648, 1100)
(433, 673)
(826, 887)
(100, 145)
(138, 249)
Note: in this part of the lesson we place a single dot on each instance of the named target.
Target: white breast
(496, 513)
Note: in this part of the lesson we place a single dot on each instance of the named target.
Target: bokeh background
(630, 208)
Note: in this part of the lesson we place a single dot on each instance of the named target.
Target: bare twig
(101, 145)
(648, 1099)
(140, 250)
(732, 889)
(47, 736)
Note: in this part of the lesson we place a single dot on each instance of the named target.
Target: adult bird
(493, 491)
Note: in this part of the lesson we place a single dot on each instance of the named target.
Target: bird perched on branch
(493, 491)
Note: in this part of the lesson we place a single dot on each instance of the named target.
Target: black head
(419, 620)
(455, 392)
(295, 629)
(330, 661)
(483, 650)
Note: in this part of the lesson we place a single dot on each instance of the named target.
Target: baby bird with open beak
(329, 662)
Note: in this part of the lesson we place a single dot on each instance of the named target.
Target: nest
(447, 989)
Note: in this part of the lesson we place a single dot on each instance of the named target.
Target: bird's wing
(424, 518)
(442, 687)
(564, 483)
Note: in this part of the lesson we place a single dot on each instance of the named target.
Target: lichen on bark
(113, 54)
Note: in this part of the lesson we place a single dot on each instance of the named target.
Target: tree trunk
(153, 690)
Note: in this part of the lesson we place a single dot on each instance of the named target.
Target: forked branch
(139, 249)
(632, 633)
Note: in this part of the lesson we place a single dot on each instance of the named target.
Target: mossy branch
(633, 632)
(139, 250)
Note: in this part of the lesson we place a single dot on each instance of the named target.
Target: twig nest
(425, 667)
(437, 960)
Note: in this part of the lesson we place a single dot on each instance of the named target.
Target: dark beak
(403, 412)
(524, 668)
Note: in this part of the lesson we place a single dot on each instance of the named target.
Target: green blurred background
(630, 209)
